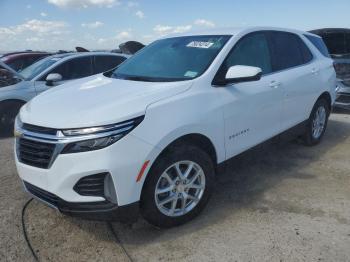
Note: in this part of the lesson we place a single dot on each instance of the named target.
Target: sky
(104, 24)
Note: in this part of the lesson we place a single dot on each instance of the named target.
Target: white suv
(149, 136)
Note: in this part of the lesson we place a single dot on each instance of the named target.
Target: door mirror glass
(240, 73)
(52, 78)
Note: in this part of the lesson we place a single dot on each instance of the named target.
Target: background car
(337, 41)
(50, 71)
(20, 60)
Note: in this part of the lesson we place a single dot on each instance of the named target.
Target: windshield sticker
(190, 74)
(199, 44)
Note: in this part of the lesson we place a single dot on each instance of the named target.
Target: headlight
(17, 126)
(98, 137)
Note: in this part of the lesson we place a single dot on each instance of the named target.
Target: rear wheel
(8, 113)
(317, 123)
(178, 186)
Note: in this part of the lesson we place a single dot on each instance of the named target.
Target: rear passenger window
(251, 50)
(305, 51)
(319, 44)
(286, 51)
(104, 63)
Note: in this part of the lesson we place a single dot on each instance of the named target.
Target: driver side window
(251, 50)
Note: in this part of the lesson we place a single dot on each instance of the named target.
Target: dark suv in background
(337, 41)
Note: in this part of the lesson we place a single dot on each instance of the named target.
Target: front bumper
(102, 210)
(122, 160)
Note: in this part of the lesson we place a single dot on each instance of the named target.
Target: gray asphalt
(277, 202)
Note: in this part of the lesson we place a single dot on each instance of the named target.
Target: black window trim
(266, 33)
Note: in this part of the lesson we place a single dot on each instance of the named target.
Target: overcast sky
(101, 24)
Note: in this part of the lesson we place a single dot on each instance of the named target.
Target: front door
(252, 110)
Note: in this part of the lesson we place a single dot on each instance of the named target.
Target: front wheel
(178, 186)
(317, 123)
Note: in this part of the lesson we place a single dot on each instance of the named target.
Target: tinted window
(74, 68)
(105, 63)
(286, 50)
(305, 51)
(38, 67)
(251, 50)
(319, 44)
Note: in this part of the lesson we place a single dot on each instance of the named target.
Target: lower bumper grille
(103, 210)
(65, 206)
(33, 153)
(42, 194)
(91, 185)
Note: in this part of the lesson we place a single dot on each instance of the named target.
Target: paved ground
(275, 203)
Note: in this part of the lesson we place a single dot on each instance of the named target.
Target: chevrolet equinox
(148, 136)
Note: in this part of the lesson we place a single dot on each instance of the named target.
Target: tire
(185, 156)
(8, 113)
(311, 136)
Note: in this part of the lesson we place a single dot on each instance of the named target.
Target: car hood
(96, 100)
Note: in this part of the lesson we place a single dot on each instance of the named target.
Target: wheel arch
(326, 96)
(199, 140)
(196, 139)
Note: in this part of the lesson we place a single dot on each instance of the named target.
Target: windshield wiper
(138, 78)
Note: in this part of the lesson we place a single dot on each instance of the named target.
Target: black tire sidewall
(10, 109)
(148, 206)
(309, 139)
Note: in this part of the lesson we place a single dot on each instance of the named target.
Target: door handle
(275, 84)
(315, 70)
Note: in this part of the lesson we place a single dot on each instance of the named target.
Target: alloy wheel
(179, 188)
(319, 122)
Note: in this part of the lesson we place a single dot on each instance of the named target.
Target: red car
(20, 60)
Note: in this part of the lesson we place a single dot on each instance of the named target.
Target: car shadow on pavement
(243, 186)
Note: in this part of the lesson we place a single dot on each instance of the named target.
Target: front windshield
(35, 69)
(172, 59)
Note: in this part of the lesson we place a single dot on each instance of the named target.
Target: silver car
(46, 73)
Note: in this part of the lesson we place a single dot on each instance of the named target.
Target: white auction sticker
(199, 44)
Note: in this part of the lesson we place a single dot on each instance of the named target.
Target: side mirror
(240, 73)
(52, 78)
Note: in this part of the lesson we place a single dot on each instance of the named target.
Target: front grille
(42, 194)
(91, 185)
(39, 129)
(34, 153)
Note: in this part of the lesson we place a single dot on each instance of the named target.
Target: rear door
(298, 72)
